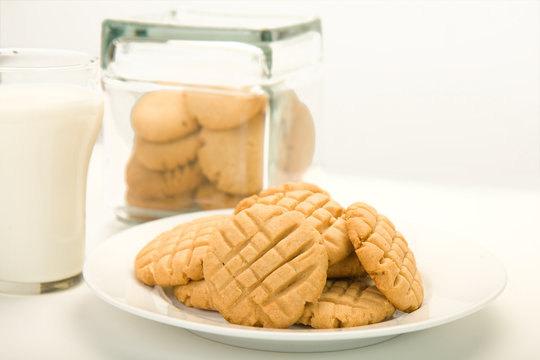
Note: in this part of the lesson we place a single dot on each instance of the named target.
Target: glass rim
(84, 60)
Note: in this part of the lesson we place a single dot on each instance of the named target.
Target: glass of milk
(51, 109)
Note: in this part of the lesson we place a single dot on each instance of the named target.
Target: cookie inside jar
(202, 145)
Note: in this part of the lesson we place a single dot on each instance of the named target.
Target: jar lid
(191, 43)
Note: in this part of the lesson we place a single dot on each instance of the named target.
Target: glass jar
(204, 109)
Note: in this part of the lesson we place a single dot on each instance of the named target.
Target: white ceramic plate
(459, 279)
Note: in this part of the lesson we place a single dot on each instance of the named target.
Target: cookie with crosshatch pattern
(175, 256)
(264, 265)
(324, 213)
(347, 303)
(385, 255)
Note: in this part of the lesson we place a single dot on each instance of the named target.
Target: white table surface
(76, 324)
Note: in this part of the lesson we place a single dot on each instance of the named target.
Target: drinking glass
(51, 109)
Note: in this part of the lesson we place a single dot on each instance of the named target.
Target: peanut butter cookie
(347, 303)
(264, 265)
(385, 255)
(176, 256)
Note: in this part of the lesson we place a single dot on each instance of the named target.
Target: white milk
(46, 137)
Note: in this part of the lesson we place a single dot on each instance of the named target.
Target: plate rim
(266, 334)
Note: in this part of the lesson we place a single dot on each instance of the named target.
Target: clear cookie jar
(204, 109)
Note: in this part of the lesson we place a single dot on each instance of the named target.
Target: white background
(436, 91)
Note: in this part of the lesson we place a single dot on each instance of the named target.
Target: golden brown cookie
(233, 159)
(175, 256)
(346, 268)
(347, 303)
(224, 110)
(318, 207)
(162, 156)
(209, 198)
(162, 116)
(264, 265)
(157, 185)
(385, 255)
(144, 261)
(194, 294)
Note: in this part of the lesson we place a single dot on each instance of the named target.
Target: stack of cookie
(289, 255)
(195, 146)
